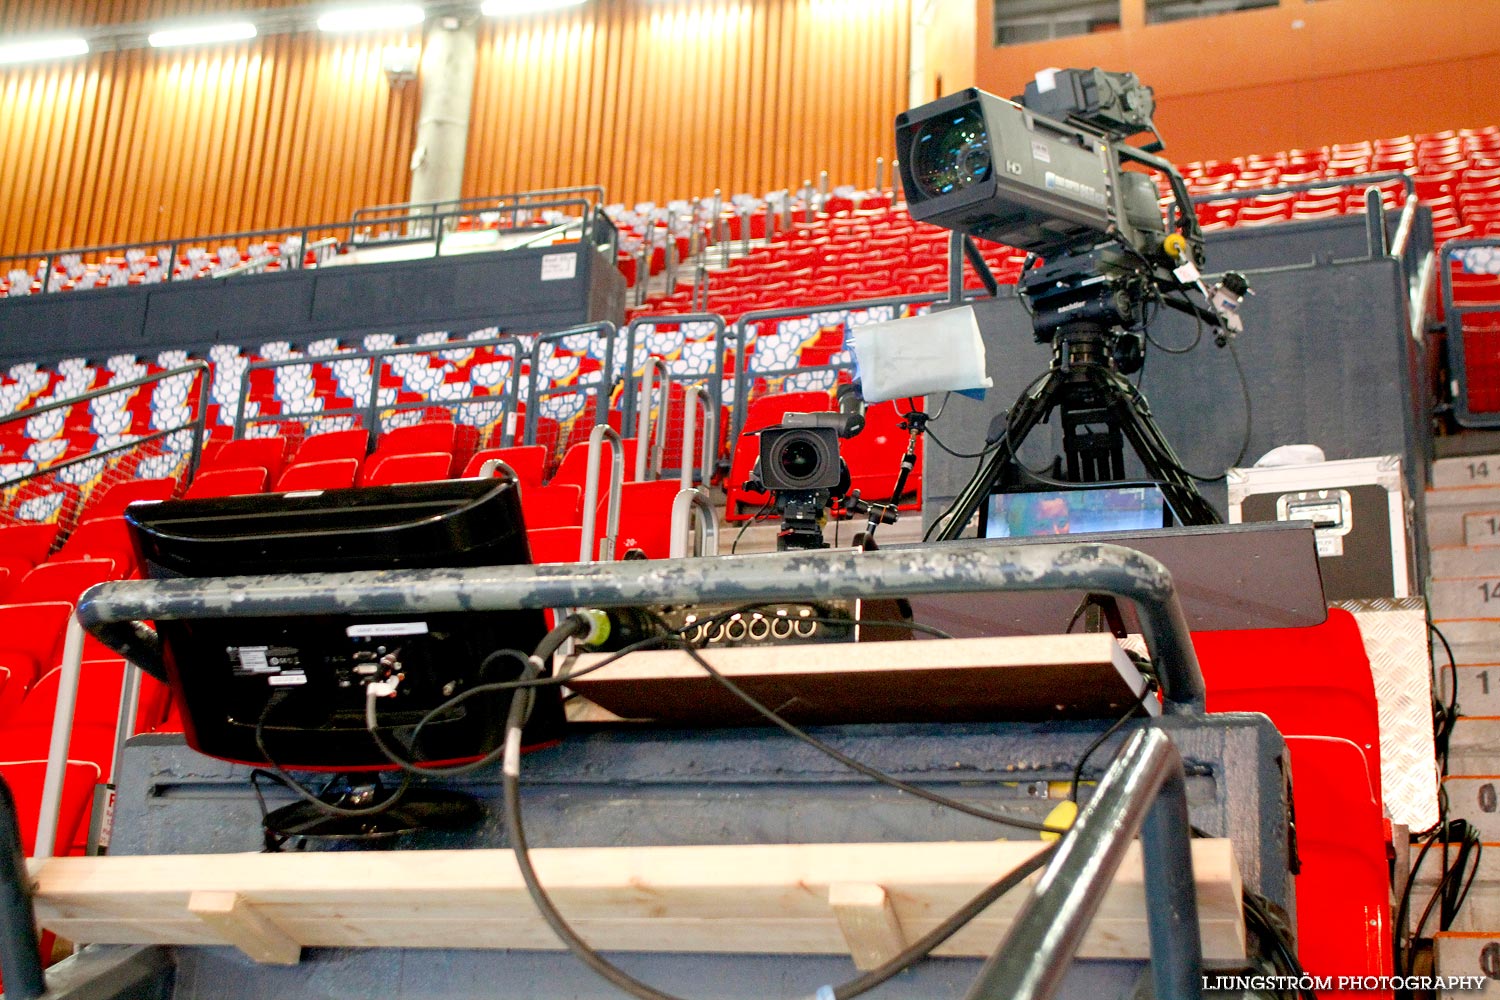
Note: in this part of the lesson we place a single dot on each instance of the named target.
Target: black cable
(746, 526)
(1099, 740)
(854, 765)
(1273, 932)
(516, 833)
(301, 790)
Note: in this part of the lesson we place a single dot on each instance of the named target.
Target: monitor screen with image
(1085, 510)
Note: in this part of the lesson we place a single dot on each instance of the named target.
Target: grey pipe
(1143, 791)
(586, 551)
(943, 568)
(685, 504)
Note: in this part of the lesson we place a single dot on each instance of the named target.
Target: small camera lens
(799, 459)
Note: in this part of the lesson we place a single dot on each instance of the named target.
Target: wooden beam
(241, 925)
(755, 899)
(869, 923)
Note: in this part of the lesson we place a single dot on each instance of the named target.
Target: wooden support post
(868, 922)
(241, 925)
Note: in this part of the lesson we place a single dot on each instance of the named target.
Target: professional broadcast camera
(1051, 174)
(801, 468)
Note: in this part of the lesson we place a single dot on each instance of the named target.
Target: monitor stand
(417, 809)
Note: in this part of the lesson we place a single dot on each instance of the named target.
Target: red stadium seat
(328, 474)
(1343, 889)
(268, 453)
(114, 500)
(412, 467)
(26, 777)
(63, 580)
(552, 506)
(101, 538)
(227, 482)
(527, 461)
(352, 443)
(645, 518)
(554, 545)
(1311, 681)
(96, 714)
(30, 542)
(31, 638)
(575, 466)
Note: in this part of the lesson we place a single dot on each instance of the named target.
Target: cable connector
(599, 627)
(383, 689)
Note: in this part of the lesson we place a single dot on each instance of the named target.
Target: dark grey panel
(35, 327)
(494, 289)
(192, 312)
(1326, 359)
(643, 786)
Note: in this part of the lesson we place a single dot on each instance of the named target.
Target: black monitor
(301, 680)
(1037, 511)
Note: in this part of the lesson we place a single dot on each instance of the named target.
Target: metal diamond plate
(1395, 636)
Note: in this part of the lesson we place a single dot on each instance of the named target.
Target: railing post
(62, 732)
(605, 551)
(650, 373)
(20, 946)
(685, 504)
(1376, 239)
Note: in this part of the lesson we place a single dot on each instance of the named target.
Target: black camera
(802, 453)
(801, 468)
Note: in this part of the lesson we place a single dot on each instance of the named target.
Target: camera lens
(799, 459)
(951, 153)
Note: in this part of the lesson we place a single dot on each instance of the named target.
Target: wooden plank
(1015, 677)
(231, 916)
(733, 899)
(868, 921)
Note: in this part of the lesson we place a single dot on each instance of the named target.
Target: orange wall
(144, 144)
(1302, 74)
(670, 100)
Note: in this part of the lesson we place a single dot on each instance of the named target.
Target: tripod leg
(1029, 410)
(1156, 455)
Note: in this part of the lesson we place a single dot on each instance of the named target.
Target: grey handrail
(198, 425)
(111, 611)
(587, 551)
(688, 501)
(653, 378)
(1142, 792)
(20, 948)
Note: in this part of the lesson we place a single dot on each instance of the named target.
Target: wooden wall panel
(659, 100)
(653, 99)
(142, 144)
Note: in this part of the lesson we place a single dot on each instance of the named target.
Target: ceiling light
(371, 18)
(202, 34)
(42, 48)
(505, 8)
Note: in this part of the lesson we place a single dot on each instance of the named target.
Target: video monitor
(1084, 510)
(298, 682)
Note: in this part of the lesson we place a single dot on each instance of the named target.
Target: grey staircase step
(1478, 686)
(1446, 509)
(1474, 640)
(1476, 798)
(1466, 470)
(1474, 749)
(1466, 561)
(1469, 953)
(1465, 597)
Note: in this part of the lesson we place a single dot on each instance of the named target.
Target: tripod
(1100, 411)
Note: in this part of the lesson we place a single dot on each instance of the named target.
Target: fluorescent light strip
(506, 8)
(371, 18)
(42, 48)
(203, 34)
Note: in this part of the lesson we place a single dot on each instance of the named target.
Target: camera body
(1045, 174)
(801, 468)
(802, 452)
